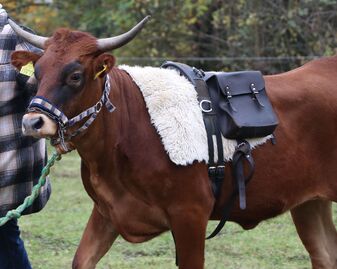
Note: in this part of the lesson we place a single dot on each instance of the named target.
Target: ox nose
(31, 125)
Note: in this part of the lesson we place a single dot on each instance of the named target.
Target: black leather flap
(238, 83)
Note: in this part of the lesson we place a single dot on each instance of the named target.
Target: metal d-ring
(206, 110)
(98, 106)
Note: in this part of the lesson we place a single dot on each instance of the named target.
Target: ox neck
(116, 133)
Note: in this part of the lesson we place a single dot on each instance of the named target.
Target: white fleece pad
(174, 111)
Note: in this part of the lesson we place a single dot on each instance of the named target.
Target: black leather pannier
(242, 104)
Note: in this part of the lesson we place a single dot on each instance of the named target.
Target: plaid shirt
(21, 158)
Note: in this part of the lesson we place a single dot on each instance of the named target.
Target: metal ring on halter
(98, 106)
(203, 109)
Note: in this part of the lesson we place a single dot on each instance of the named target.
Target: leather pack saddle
(238, 99)
(235, 105)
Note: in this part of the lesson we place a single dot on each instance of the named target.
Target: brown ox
(139, 193)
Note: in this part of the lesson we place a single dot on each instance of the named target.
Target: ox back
(235, 105)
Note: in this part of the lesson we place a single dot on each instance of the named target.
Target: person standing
(21, 158)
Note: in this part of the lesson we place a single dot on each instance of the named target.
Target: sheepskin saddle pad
(172, 103)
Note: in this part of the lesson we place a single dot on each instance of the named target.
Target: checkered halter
(42, 105)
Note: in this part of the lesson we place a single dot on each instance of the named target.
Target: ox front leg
(189, 231)
(96, 240)
(315, 226)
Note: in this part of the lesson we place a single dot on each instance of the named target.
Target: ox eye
(74, 79)
(75, 76)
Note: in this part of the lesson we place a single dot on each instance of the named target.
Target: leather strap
(216, 168)
(225, 214)
(242, 152)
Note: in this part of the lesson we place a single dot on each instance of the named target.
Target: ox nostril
(37, 123)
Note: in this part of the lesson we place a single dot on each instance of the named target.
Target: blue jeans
(12, 251)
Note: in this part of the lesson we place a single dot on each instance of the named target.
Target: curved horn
(106, 44)
(36, 40)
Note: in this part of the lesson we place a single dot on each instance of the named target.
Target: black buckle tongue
(256, 94)
(198, 72)
(229, 96)
(243, 147)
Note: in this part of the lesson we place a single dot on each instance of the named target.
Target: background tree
(270, 35)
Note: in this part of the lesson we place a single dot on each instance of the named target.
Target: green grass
(51, 236)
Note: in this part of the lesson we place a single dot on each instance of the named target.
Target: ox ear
(21, 58)
(103, 64)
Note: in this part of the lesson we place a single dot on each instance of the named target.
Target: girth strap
(242, 152)
(216, 166)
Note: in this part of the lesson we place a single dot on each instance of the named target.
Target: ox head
(66, 72)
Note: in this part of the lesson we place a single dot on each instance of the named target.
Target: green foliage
(205, 28)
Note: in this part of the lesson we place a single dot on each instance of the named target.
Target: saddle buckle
(199, 73)
(205, 110)
(211, 171)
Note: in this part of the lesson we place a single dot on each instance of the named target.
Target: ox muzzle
(38, 125)
(43, 119)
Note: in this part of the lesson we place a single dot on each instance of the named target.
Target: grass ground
(51, 236)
